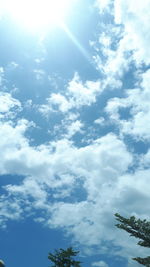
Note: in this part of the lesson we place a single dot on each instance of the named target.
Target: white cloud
(100, 169)
(145, 159)
(103, 4)
(45, 110)
(98, 165)
(29, 188)
(60, 165)
(137, 100)
(8, 104)
(84, 94)
(100, 121)
(126, 197)
(100, 264)
(55, 170)
(39, 60)
(124, 42)
(73, 128)
(72, 116)
(9, 210)
(117, 62)
(135, 18)
(78, 94)
(136, 183)
(113, 59)
(61, 101)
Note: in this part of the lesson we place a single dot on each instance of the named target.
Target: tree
(139, 229)
(64, 258)
(2, 263)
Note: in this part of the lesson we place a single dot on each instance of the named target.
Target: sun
(38, 14)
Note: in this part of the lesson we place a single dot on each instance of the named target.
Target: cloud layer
(92, 158)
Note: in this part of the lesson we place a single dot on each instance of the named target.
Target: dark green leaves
(139, 229)
(64, 258)
(2, 263)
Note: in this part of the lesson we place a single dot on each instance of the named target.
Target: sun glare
(38, 14)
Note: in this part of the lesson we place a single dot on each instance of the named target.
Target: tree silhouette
(64, 258)
(139, 229)
(2, 263)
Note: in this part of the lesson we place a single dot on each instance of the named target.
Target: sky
(74, 129)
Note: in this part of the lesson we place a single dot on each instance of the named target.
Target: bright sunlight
(37, 14)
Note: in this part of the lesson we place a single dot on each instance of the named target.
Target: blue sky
(74, 131)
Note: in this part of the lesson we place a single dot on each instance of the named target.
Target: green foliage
(2, 263)
(64, 258)
(139, 229)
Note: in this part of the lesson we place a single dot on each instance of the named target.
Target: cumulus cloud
(103, 171)
(61, 101)
(124, 42)
(103, 166)
(135, 18)
(78, 94)
(137, 101)
(113, 59)
(100, 121)
(127, 196)
(8, 105)
(84, 94)
(73, 128)
(57, 170)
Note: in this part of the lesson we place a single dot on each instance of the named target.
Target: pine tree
(64, 258)
(2, 263)
(139, 229)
